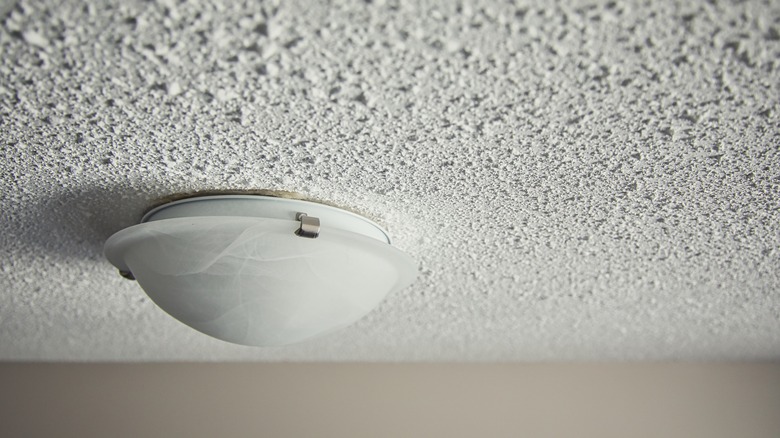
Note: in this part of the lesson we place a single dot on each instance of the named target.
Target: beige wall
(297, 400)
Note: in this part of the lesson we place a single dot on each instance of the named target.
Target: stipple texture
(578, 180)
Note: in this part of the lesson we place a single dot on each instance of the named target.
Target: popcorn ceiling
(578, 180)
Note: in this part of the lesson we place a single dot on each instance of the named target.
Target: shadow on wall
(74, 222)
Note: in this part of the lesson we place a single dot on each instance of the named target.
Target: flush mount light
(259, 270)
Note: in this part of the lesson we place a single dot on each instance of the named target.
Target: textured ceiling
(580, 180)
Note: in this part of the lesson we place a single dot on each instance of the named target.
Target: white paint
(576, 181)
(35, 39)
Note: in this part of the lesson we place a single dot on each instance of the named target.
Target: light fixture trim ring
(267, 207)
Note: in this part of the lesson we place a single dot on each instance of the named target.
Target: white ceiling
(581, 180)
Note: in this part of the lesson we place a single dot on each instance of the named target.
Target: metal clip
(127, 274)
(310, 226)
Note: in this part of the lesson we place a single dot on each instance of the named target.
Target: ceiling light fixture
(259, 270)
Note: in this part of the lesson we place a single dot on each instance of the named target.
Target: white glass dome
(252, 270)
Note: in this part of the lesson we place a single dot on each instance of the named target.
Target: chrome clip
(310, 226)
(127, 274)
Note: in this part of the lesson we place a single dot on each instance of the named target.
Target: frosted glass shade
(253, 281)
